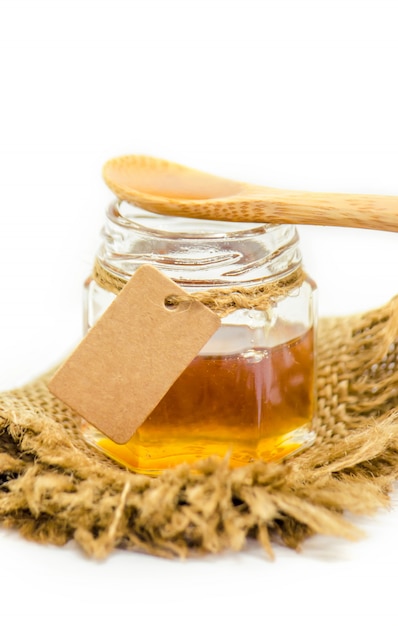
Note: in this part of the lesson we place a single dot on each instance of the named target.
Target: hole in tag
(171, 303)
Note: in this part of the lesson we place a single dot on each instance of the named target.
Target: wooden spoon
(171, 189)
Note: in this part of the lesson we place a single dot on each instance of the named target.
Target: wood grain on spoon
(172, 189)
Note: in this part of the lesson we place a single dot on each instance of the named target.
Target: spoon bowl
(168, 188)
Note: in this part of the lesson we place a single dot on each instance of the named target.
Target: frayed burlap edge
(53, 488)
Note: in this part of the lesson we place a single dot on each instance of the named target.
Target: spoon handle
(332, 209)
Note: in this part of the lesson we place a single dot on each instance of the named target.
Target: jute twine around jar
(221, 300)
(55, 488)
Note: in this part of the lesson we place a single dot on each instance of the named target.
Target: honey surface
(246, 405)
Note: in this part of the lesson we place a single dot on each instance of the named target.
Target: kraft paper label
(133, 354)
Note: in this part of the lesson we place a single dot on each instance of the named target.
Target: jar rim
(197, 253)
(195, 228)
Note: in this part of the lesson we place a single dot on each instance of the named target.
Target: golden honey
(255, 405)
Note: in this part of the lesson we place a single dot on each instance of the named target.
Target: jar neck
(195, 253)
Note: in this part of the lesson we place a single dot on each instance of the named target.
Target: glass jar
(250, 393)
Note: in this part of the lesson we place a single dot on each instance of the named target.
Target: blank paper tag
(131, 357)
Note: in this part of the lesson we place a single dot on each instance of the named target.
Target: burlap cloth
(54, 488)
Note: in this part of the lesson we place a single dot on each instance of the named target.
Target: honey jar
(250, 392)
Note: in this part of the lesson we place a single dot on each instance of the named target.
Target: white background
(288, 93)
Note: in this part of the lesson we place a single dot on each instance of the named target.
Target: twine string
(221, 300)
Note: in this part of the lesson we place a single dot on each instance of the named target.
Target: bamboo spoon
(171, 189)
